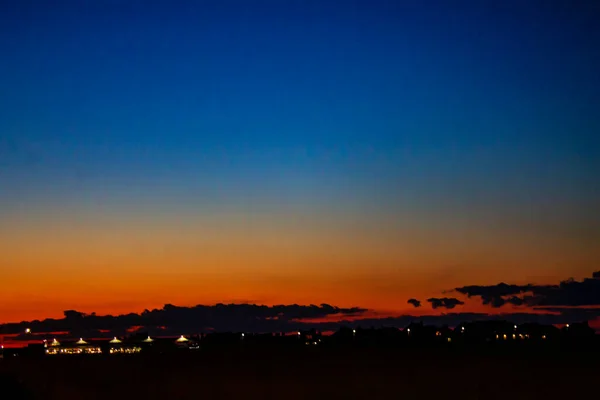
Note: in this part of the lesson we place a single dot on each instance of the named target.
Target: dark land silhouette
(477, 360)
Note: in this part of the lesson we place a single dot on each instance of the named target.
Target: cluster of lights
(125, 350)
(514, 336)
(92, 350)
(87, 350)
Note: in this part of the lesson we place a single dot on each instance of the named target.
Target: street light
(28, 331)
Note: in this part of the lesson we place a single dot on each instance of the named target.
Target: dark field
(315, 373)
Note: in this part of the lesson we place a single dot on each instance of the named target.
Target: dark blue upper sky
(450, 104)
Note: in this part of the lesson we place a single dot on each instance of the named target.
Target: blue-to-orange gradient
(349, 152)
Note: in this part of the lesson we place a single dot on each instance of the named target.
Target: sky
(355, 153)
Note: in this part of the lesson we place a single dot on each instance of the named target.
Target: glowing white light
(27, 330)
(182, 339)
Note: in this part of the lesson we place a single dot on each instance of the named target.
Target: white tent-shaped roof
(115, 340)
(148, 340)
(54, 343)
(81, 341)
(182, 339)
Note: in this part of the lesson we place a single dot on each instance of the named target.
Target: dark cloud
(416, 303)
(567, 293)
(444, 302)
(201, 318)
(494, 295)
(172, 320)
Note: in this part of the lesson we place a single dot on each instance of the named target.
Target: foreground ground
(318, 373)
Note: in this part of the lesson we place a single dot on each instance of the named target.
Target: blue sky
(348, 152)
(481, 104)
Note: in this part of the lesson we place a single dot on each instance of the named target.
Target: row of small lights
(182, 338)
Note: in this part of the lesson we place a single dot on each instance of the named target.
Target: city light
(27, 330)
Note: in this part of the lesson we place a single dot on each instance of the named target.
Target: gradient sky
(351, 152)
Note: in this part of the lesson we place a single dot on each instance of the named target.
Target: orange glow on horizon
(112, 265)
